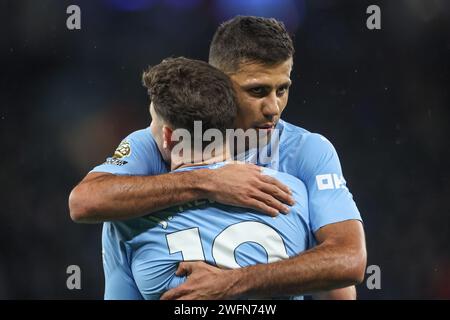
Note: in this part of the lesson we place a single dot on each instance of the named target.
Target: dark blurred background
(67, 98)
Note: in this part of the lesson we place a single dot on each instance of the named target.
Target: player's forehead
(262, 74)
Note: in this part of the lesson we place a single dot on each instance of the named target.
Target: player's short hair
(184, 90)
(246, 39)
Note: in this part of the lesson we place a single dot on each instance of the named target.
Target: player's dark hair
(184, 90)
(246, 39)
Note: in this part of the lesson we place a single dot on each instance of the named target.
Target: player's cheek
(283, 103)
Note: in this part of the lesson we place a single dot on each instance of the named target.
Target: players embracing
(257, 55)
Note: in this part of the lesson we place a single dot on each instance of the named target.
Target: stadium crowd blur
(68, 98)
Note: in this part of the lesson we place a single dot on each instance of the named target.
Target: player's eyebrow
(285, 84)
(251, 85)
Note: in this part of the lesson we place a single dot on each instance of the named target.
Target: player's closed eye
(282, 90)
(258, 91)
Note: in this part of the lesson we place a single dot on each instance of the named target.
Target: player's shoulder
(140, 148)
(305, 139)
(141, 139)
(289, 127)
(140, 136)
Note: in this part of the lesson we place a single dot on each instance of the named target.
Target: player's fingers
(185, 297)
(276, 192)
(254, 167)
(170, 295)
(184, 268)
(174, 293)
(271, 201)
(262, 207)
(272, 180)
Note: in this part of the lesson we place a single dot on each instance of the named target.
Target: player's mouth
(269, 126)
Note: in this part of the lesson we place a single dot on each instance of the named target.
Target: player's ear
(167, 137)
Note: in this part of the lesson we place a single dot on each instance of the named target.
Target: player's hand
(204, 282)
(244, 185)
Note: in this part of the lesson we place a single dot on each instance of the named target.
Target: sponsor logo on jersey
(330, 181)
(116, 162)
(123, 150)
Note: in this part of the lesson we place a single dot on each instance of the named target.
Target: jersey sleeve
(137, 154)
(330, 200)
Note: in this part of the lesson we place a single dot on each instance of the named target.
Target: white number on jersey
(225, 243)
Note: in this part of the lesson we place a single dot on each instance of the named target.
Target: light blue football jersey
(308, 156)
(150, 248)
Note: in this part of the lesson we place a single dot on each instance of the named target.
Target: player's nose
(270, 106)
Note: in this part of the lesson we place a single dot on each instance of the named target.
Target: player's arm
(103, 196)
(131, 184)
(348, 293)
(327, 204)
(337, 261)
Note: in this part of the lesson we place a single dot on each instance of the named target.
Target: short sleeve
(137, 154)
(330, 200)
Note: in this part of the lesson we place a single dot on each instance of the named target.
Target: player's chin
(265, 132)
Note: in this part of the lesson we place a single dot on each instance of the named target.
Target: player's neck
(202, 158)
